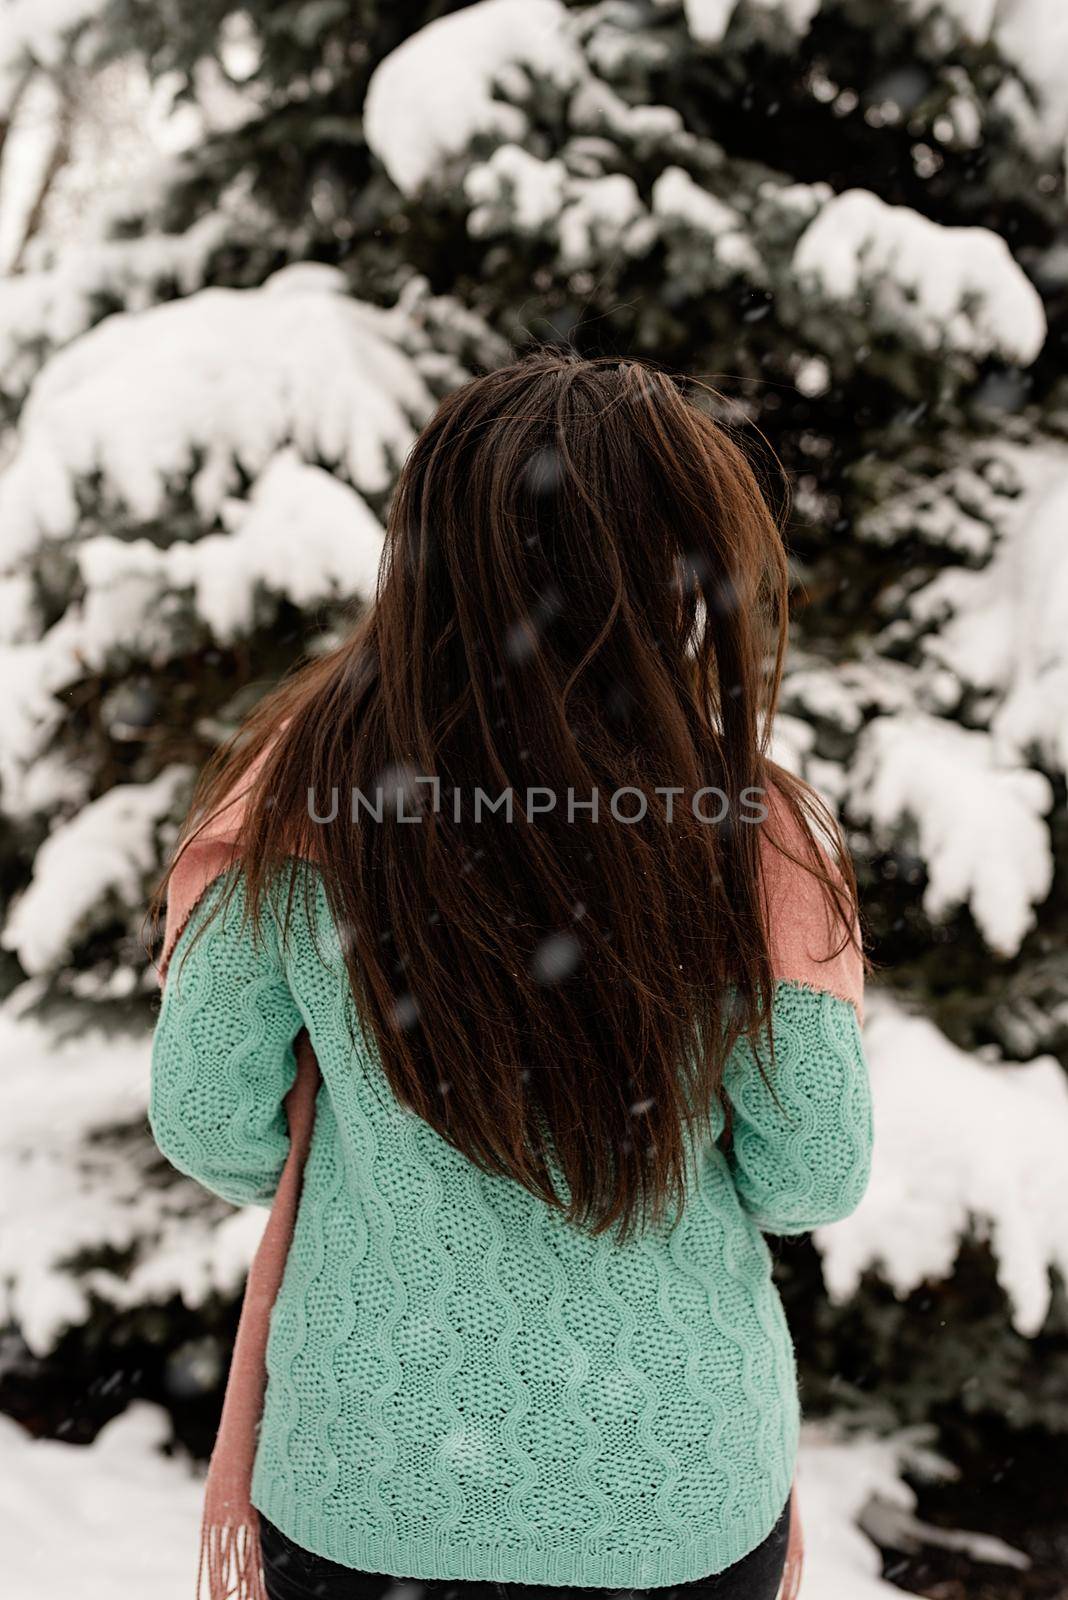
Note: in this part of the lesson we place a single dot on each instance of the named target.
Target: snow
(838, 1479)
(130, 1513)
(302, 535)
(998, 633)
(1000, 1177)
(709, 20)
(430, 96)
(465, 75)
(74, 1142)
(39, 30)
(90, 867)
(813, 377)
(797, 14)
(792, 743)
(115, 617)
(976, 17)
(967, 121)
(1033, 34)
(597, 108)
(18, 608)
(605, 214)
(802, 200)
(535, 187)
(978, 820)
(225, 378)
(961, 510)
(56, 304)
(36, 669)
(994, 638)
(269, 385)
(853, 1496)
(841, 694)
(679, 199)
(1008, 626)
(589, 216)
(953, 287)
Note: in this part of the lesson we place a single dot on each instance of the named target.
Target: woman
(582, 976)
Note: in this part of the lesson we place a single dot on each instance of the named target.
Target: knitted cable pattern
(460, 1384)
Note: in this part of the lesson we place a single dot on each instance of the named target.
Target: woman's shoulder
(813, 933)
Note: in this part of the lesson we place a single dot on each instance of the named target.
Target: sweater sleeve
(223, 1054)
(803, 1160)
(801, 1148)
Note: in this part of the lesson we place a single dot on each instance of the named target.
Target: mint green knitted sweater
(460, 1384)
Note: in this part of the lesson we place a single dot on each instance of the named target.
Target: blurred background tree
(246, 249)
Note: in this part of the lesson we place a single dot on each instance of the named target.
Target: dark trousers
(293, 1573)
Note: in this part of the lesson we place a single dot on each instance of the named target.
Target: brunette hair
(582, 588)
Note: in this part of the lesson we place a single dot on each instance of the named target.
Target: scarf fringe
(230, 1562)
(794, 1565)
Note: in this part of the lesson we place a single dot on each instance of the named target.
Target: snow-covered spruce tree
(193, 485)
(848, 219)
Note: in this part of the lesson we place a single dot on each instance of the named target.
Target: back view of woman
(580, 969)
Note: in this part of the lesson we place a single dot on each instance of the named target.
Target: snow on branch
(91, 869)
(38, 33)
(978, 822)
(206, 389)
(74, 1194)
(964, 509)
(841, 694)
(302, 535)
(1007, 630)
(444, 84)
(74, 1141)
(52, 306)
(589, 216)
(1000, 1177)
(1033, 36)
(34, 672)
(708, 20)
(955, 288)
(682, 203)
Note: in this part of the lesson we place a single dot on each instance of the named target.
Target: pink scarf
(229, 1556)
(230, 1540)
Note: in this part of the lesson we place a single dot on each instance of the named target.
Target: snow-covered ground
(115, 1518)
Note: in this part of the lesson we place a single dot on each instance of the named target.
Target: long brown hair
(583, 589)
